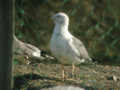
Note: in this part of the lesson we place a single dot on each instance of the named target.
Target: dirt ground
(37, 75)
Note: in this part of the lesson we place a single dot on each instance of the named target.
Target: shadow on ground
(19, 81)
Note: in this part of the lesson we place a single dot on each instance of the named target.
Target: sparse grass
(43, 75)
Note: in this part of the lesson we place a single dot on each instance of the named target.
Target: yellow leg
(63, 75)
(63, 72)
(73, 69)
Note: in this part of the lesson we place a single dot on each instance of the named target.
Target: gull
(64, 46)
(25, 49)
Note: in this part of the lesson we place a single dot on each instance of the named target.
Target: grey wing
(83, 54)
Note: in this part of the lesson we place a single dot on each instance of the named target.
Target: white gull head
(61, 19)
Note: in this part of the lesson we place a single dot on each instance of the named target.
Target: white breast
(60, 46)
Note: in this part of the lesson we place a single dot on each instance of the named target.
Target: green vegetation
(95, 22)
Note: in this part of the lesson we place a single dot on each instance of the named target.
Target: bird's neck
(61, 29)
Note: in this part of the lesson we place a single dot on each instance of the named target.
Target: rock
(64, 88)
(114, 78)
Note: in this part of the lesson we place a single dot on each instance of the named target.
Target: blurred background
(95, 22)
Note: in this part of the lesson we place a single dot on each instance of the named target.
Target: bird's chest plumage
(58, 45)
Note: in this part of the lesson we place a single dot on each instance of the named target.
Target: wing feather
(79, 46)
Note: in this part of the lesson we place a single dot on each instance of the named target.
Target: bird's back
(83, 53)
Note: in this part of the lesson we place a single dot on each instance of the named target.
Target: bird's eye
(58, 16)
